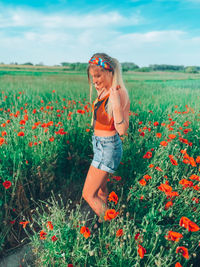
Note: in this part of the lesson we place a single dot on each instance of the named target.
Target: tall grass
(54, 114)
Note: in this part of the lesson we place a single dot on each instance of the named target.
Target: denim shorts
(107, 152)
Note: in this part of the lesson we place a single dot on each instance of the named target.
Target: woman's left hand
(115, 97)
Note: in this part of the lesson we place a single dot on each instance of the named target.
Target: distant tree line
(130, 66)
(181, 68)
(126, 66)
(75, 66)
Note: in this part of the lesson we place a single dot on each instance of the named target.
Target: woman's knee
(103, 191)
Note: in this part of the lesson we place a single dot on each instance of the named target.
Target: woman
(110, 119)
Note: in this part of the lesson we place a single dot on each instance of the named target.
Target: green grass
(36, 164)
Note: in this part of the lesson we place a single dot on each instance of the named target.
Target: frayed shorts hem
(101, 166)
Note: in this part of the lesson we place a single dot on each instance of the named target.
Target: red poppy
(24, 223)
(185, 124)
(141, 251)
(171, 194)
(143, 182)
(113, 197)
(117, 178)
(185, 141)
(186, 161)
(173, 162)
(178, 264)
(156, 123)
(172, 136)
(42, 235)
(165, 188)
(80, 111)
(192, 162)
(110, 214)
(50, 123)
(163, 143)
(30, 144)
(85, 231)
(188, 224)
(198, 160)
(195, 199)
(3, 133)
(196, 187)
(147, 177)
(137, 236)
(20, 134)
(119, 233)
(195, 177)
(22, 122)
(183, 251)
(158, 135)
(187, 131)
(54, 238)
(151, 166)
(186, 156)
(49, 225)
(148, 155)
(168, 204)
(173, 236)
(186, 183)
(7, 184)
(158, 169)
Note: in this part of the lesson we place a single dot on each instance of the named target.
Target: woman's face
(101, 79)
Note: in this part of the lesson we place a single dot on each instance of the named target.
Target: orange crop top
(100, 118)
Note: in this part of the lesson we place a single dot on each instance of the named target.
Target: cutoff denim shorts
(107, 152)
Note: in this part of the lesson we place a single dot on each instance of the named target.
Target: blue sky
(143, 32)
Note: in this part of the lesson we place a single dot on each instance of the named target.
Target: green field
(45, 119)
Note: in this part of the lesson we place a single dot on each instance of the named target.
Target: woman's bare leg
(95, 179)
(103, 192)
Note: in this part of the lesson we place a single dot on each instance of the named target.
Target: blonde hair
(117, 76)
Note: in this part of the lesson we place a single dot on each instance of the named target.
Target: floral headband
(100, 62)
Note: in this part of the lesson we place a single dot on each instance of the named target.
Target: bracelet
(120, 122)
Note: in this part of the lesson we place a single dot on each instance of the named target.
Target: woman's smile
(100, 79)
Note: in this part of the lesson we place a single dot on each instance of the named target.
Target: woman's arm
(121, 107)
(121, 119)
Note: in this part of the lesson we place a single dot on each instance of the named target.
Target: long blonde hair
(117, 76)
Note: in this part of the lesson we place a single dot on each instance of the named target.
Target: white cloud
(152, 37)
(160, 47)
(30, 18)
(30, 35)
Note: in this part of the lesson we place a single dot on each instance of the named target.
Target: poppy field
(45, 148)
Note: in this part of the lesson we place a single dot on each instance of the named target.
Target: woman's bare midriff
(104, 133)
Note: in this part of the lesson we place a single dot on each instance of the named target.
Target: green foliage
(28, 64)
(144, 69)
(165, 67)
(191, 69)
(57, 151)
(126, 66)
(75, 66)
